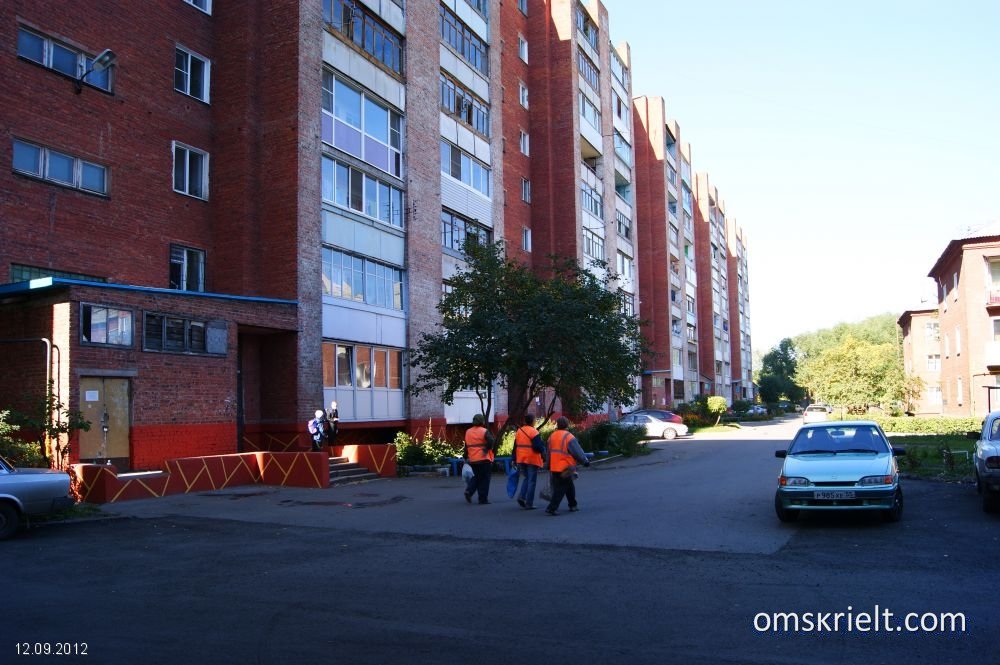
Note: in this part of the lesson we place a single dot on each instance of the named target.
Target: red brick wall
(154, 444)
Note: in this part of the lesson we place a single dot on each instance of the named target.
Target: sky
(852, 140)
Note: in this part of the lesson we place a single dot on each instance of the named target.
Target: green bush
(16, 451)
(615, 439)
(939, 425)
(741, 405)
(506, 447)
(427, 450)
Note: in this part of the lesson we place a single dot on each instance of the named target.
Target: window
(190, 171)
(593, 202)
(22, 273)
(187, 268)
(618, 69)
(347, 366)
(526, 239)
(624, 266)
(362, 126)
(105, 325)
(522, 48)
(954, 286)
(460, 102)
(191, 73)
(687, 199)
(692, 361)
(958, 341)
(588, 70)
(690, 305)
(366, 32)
(351, 188)
(464, 41)
(934, 395)
(932, 331)
(525, 190)
(525, 143)
(620, 107)
(522, 5)
(464, 167)
(624, 224)
(589, 111)
(996, 326)
(164, 332)
(363, 280)
(59, 168)
(61, 58)
(628, 304)
(622, 148)
(593, 245)
(523, 94)
(586, 27)
(958, 391)
(479, 5)
(203, 5)
(934, 362)
(455, 229)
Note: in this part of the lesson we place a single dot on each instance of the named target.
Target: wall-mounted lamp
(104, 59)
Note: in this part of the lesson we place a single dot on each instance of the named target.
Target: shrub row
(940, 425)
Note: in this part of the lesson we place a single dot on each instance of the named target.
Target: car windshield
(5, 466)
(840, 439)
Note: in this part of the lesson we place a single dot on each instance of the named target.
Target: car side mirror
(898, 452)
(972, 435)
(781, 453)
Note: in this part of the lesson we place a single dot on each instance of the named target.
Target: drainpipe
(48, 359)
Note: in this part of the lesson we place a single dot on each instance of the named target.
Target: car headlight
(793, 481)
(876, 480)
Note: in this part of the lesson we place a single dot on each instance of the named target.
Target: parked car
(839, 465)
(654, 426)
(987, 462)
(815, 413)
(757, 410)
(26, 493)
(662, 414)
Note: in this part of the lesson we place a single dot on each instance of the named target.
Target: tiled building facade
(256, 208)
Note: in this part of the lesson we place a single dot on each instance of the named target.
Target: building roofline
(955, 245)
(49, 283)
(910, 312)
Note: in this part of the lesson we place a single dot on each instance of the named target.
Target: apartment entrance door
(104, 401)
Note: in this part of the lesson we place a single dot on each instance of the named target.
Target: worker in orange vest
(528, 449)
(564, 453)
(479, 447)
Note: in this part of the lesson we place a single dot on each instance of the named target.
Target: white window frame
(175, 147)
(959, 390)
(206, 78)
(197, 4)
(522, 48)
(83, 60)
(522, 93)
(525, 190)
(185, 265)
(526, 239)
(522, 5)
(958, 341)
(525, 143)
(42, 170)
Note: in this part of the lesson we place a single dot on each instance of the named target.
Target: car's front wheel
(669, 433)
(784, 514)
(895, 513)
(10, 520)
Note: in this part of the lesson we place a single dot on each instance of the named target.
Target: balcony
(993, 297)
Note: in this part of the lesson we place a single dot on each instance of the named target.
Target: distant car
(839, 465)
(814, 413)
(987, 462)
(654, 426)
(798, 408)
(757, 410)
(26, 493)
(662, 414)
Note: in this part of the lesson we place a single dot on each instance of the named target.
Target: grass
(936, 456)
(710, 429)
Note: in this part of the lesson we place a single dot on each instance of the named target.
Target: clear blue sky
(851, 140)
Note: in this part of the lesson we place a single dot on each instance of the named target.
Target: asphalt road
(672, 559)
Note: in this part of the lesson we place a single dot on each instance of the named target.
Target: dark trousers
(562, 487)
(480, 481)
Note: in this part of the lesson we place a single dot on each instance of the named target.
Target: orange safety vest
(523, 452)
(559, 457)
(479, 449)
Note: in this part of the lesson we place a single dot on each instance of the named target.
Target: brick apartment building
(922, 356)
(242, 218)
(711, 260)
(966, 353)
(738, 324)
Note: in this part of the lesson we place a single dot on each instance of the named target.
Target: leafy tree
(777, 373)
(48, 421)
(717, 406)
(503, 324)
(856, 374)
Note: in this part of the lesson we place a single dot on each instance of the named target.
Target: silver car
(839, 465)
(655, 427)
(988, 462)
(29, 492)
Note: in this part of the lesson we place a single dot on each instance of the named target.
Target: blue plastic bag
(512, 482)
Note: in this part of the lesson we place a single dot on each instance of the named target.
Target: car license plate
(833, 495)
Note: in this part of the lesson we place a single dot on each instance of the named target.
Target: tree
(856, 374)
(717, 406)
(503, 324)
(777, 373)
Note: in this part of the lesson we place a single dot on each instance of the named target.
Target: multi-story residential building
(922, 357)
(967, 275)
(667, 275)
(739, 314)
(711, 250)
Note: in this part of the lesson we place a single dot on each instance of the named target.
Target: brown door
(105, 403)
